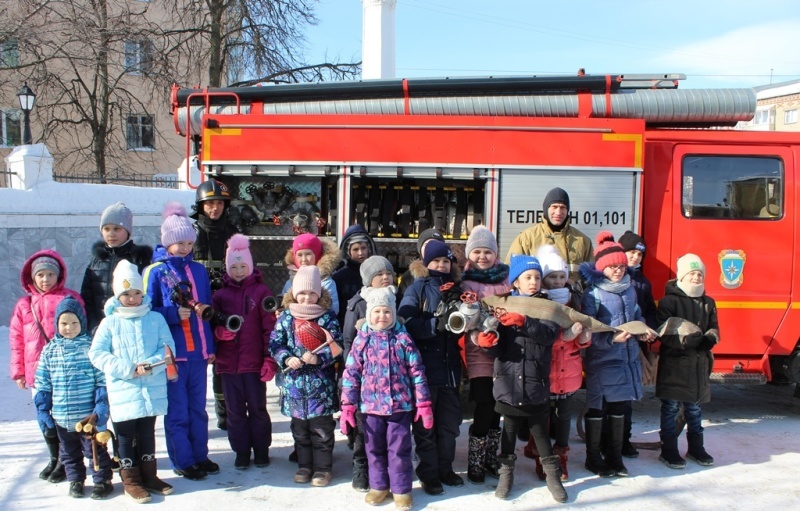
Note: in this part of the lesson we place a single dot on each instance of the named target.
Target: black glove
(705, 343)
(692, 340)
(50, 433)
(441, 321)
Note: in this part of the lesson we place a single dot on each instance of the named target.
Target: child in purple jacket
(385, 377)
(243, 359)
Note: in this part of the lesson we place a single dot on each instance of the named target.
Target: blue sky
(716, 43)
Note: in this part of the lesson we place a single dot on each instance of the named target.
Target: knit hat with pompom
(608, 252)
(238, 252)
(176, 227)
(551, 260)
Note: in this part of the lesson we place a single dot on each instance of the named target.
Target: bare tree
(245, 42)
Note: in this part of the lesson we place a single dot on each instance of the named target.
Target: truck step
(738, 378)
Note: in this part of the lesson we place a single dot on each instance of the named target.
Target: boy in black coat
(116, 227)
(685, 363)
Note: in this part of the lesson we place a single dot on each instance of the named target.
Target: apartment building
(777, 108)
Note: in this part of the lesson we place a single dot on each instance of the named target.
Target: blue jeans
(669, 411)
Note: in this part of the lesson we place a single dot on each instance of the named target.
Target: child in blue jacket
(384, 376)
(128, 342)
(179, 288)
(70, 390)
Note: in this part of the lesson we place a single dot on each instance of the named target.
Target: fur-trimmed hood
(331, 257)
(418, 270)
(325, 300)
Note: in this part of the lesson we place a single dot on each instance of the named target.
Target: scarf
(132, 312)
(213, 227)
(494, 275)
(615, 287)
(306, 311)
(692, 290)
(560, 295)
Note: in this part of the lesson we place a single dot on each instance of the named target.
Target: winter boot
(563, 456)
(530, 451)
(490, 464)
(360, 476)
(594, 460)
(58, 474)
(506, 480)
(150, 480)
(261, 457)
(132, 482)
(552, 469)
(628, 450)
(696, 450)
(616, 427)
(669, 453)
(52, 448)
(476, 459)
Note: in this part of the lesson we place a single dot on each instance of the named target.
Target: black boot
(669, 453)
(52, 448)
(696, 450)
(476, 458)
(628, 450)
(552, 470)
(219, 401)
(506, 481)
(616, 432)
(490, 464)
(360, 475)
(594, 460)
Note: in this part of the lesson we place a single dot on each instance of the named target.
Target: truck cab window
(732, 187)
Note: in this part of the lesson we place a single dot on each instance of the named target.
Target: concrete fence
(38, 213)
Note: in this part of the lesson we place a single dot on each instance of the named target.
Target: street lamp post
(26, 100)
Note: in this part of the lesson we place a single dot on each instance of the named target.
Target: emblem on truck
(731, 264)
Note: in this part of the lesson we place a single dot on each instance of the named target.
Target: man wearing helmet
(213, 232)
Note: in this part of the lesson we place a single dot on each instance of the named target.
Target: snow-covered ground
(752, 432)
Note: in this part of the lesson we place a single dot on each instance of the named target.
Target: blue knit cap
(70, 304)
(436, 249)
(520, 264)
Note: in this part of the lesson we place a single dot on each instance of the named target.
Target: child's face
(381, 317)
(482, 258)
(634, 257)
(239, 271)
(615, 272)
(529, 282)
(45, 280)
(305, 257)
(555, 280)
(440, 264)
(359, 252)
(114, 235)
(694, 277)
(69, 326)
(383, 278)
(213, 208)
(306, 298)
(181, 248)
(131, 298)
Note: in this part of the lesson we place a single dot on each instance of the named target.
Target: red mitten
(268, 369)
(223, 334)
(348, 418)
(512, 319)
(487, 340)
(424, 413)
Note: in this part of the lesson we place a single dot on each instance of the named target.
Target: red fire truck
(633, 151)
